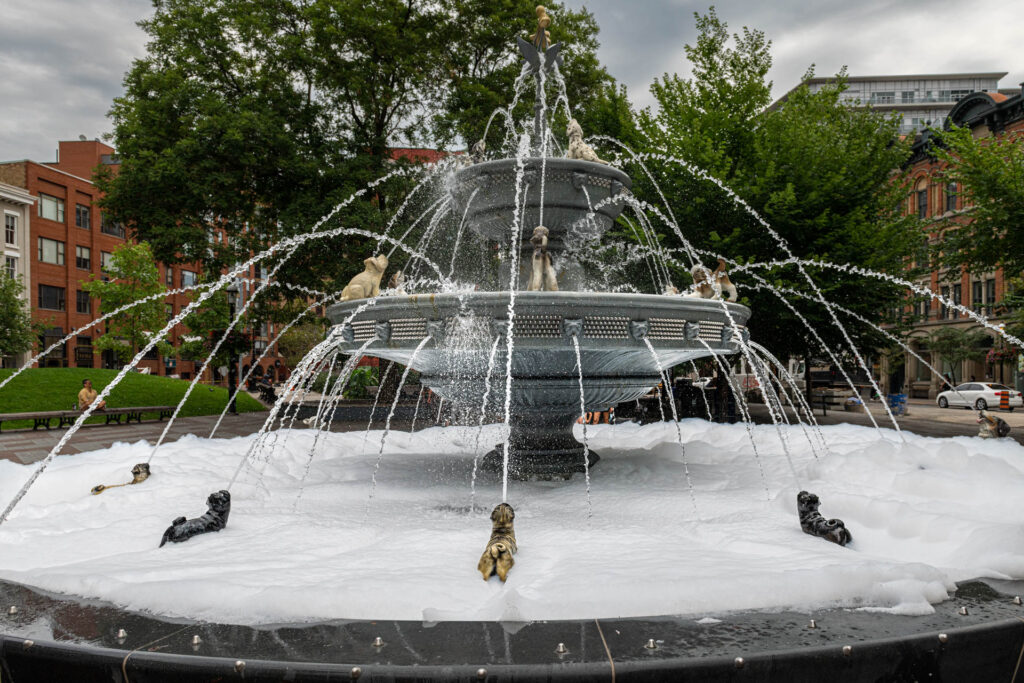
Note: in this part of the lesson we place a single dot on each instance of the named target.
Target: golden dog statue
(579, 149)
(497, 558)
(704, 289)
(367, 284)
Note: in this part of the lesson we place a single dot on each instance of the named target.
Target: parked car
(978, 395)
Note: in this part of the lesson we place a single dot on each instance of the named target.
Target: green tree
(17, 331)
(989, 173)
(207, 324)
(300, 340)
(956, 346)
(133, 276)
(819, 171)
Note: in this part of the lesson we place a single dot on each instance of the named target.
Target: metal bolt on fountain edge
(481, 674)
(651, 645)
(847, 650)
(13, 610)
(738, 662)
(812, 624)
(356, 672)
(378, 642)
(962, 611)
(1016, 600)
(561, 649)
(196, 642)
(239, 666)
(943, 638)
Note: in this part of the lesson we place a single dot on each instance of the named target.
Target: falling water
(483, 417)
(703, 395)
(387, 422)
(675, 420)
(583, 416)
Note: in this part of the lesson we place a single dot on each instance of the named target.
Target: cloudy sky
(63, 60)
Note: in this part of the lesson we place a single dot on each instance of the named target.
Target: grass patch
(57, 389)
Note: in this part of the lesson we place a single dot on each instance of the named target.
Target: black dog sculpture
(215, 519)
(814, 524)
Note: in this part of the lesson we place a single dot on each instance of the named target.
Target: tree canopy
(133, 276)
(818, 171)
(989, 174)
(17, 331)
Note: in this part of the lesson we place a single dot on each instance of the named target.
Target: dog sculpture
(814, 524)
(367, 284)
(478, 152)
(542, 277)
(579, 149)
(497, 558)
(140, 473)
(215, 519)
(992, 427)
(703, 287)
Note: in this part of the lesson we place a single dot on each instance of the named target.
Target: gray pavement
(27, 446)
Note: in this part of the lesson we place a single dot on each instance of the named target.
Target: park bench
(44, 418)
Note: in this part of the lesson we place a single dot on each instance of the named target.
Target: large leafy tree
(17, 331)
(133, 276)
(818, 171)
(255, 118)
(989, 171)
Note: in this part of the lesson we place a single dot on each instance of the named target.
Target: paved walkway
(27, 446)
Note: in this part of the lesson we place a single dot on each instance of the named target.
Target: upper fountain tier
(567, 196)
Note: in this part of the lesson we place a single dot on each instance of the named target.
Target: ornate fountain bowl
(611, 330)
(485, 194)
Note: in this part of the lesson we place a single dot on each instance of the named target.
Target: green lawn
(57, 389)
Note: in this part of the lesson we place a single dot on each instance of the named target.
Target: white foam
(923, 514)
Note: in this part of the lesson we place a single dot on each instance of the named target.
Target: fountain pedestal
(541, 446)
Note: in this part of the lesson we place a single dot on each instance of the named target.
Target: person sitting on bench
(87, 395)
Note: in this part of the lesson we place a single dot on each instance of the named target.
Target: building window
(11, 266)
(83, 352)
(977, 290)
(51, 208)
(958, 299)
(106, 261)
(51, 298)
(922, 203)
(943, 308)
(51, 251)
(990, 294)
(951, 191)
(888, 97)
(169, 278)
(907, 96)
(957, 95)
(83, 258)
(169, 310)
(82, 216)
(188, 278)
(109, 226)
(10, 229)
(83, 304)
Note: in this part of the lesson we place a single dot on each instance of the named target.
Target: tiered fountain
(612, 347)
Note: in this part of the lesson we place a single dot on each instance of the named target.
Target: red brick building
(70, 241)
(932, 197)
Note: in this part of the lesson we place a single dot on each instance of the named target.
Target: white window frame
(60, 251)
(58, 204)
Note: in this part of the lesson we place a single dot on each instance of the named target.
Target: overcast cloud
(62, 61)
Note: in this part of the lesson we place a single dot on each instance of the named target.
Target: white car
(978, 395)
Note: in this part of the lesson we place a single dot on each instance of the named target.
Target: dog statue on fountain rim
(366, 285)
(542, 276)
(579, 149)
(992, 427)
(497, 557)
(813, 523)
(703, 287)
(214, 519)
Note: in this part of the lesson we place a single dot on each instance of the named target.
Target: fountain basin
(615, 362)
(486, 194)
